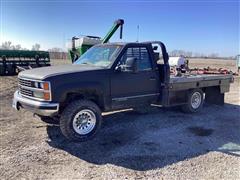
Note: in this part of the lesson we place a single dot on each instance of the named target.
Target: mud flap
(214, 96)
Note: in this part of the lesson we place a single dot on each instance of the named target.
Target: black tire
(68, 117)
(49, 120)
(189, 107)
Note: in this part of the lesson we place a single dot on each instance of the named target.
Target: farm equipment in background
(79, 45)
(210, 70)
(180, 66)
(14, 61)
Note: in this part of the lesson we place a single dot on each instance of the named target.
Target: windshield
(99, 55)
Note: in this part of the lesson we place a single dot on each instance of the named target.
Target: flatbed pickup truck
(110, 77)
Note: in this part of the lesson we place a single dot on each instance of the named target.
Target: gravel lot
(160, 144)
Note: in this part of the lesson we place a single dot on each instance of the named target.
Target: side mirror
(118, 68)
(131, 64)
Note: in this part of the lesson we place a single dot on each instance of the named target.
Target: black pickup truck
(109, 77)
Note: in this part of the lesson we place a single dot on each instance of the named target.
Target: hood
(45, 72)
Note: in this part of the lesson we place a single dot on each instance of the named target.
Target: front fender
(63, 90)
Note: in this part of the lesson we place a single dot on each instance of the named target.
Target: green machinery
(80, 45)
(13, 61)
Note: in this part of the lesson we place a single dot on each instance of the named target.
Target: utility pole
(137, 33)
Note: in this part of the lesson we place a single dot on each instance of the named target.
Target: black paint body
(111, 89)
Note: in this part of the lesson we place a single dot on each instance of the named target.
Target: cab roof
(122, 43)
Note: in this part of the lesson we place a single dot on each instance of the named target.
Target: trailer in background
(14, 61)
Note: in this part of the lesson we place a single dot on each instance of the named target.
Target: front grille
(26, 92)
(24, 82)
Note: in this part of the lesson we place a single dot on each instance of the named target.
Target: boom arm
(118, 23)
(76, 52)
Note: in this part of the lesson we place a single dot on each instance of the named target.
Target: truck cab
(109, 77)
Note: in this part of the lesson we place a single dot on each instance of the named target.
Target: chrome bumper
(37, 107)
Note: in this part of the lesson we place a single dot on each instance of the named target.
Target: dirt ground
(160, 144)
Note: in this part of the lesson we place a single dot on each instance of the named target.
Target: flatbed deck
(198, 77)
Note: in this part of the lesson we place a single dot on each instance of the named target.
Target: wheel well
(70, 97)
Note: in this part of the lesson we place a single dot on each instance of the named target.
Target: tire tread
(187, 107)
(66, 120)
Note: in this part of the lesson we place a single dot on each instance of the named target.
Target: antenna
(137, 33)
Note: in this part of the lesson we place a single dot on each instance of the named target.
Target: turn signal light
(46, 86)
(46, 96)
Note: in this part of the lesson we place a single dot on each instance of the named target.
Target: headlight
(42, 95)
(36, 84)
(43, 92)
(38, 94)
(42, 85)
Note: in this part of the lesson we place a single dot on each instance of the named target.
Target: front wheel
(80, 120)
(194, 101)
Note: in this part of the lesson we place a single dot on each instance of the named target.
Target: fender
(84, 88)
(87, 87)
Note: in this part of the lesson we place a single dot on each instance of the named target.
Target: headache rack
(14, 61)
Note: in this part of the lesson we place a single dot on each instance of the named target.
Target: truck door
(131, 89)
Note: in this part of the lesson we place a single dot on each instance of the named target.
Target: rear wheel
(80, 120)
(194, 101)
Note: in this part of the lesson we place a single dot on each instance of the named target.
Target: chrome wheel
(84, 121)
(196, 100)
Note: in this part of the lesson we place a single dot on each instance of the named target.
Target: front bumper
(37, 107)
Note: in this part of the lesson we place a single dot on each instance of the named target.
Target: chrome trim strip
(32, 88)
(19, 77)
(130, 97)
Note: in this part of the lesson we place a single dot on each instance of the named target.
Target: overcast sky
(204, 27)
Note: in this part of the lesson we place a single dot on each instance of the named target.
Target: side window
(144, 62)
(142, 55)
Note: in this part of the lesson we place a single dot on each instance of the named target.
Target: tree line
(190, 54)
(9, 46)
